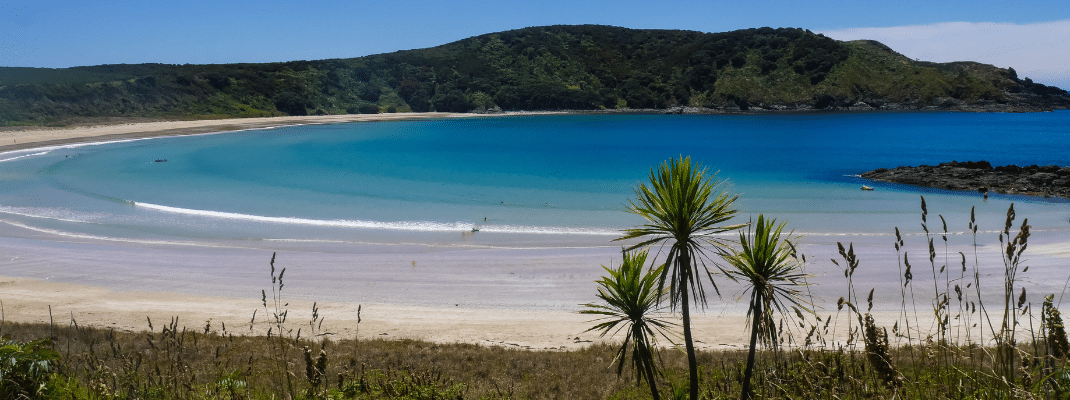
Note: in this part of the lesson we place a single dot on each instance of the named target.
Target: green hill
(544, 68)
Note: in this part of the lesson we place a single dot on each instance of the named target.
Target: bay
(550, 175)
(547, 187)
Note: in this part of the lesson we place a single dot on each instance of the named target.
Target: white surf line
(421, 226)
(443, 245)
(11, 210)
(113, 239)
(7, 210)
(264, 128)
(306, 221)
(463, 227)
(85, 144)
(523, 229)
(24, 156)
(413, 226)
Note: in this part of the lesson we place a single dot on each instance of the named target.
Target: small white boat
(864, 187)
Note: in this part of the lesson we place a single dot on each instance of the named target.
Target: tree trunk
(692, 362)
(756, 309)
(650, 376)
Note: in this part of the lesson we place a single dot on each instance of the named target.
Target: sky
(1029, 35)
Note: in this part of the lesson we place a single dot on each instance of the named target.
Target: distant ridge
(586, 67)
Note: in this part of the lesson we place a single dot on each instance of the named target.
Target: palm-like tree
(766, 265)
(684, 212)
(631, 301)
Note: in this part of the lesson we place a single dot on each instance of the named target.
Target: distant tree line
(544, 68)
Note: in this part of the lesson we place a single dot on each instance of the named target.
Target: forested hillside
(543, 68)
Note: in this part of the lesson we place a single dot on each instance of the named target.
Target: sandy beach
(502, 297)
(111, 301)
(28, 300)
(492, 296)
(25, 138)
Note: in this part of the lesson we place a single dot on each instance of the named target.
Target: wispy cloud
(1039, 51)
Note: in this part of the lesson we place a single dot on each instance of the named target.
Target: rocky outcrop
(982, 177)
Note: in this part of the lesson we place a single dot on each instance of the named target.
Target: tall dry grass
(963, 349)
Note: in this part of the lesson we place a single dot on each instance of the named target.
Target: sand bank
(18, 139)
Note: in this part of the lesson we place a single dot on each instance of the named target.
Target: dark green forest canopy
(584, 67)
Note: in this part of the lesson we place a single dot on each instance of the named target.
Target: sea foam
(412, 226)
(24, 156)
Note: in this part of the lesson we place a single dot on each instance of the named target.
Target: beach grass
(98, 363)
(943, 343)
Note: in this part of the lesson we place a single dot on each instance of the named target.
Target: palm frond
(772, 275)
(631, 303)
(684, 211)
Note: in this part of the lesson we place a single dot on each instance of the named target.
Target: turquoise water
(527, 181)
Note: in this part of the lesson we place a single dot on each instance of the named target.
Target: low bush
(26, 368)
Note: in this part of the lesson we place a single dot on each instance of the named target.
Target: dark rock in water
(981, 176)
(970, 164)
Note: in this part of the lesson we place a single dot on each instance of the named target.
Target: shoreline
(28, 300)
(23, 139)
(101, 285)
(26, 139)
(120, 298)
(30, 137)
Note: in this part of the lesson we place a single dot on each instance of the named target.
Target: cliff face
(544, 68)
(980, 176)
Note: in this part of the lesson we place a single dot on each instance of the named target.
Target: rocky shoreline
(982, 177)
(939, 104)
(942, 105)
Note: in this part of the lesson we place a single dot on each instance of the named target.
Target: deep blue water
(537, 180)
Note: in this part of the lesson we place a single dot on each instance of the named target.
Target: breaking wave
(412, 226)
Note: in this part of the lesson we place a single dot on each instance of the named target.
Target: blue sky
(1031, 35)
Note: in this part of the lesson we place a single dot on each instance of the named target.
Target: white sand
(29, 300)
(40, 136)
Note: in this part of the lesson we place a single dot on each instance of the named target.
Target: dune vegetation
(798, 349)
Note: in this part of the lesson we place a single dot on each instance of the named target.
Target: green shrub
(292, 103)
(26, 368)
